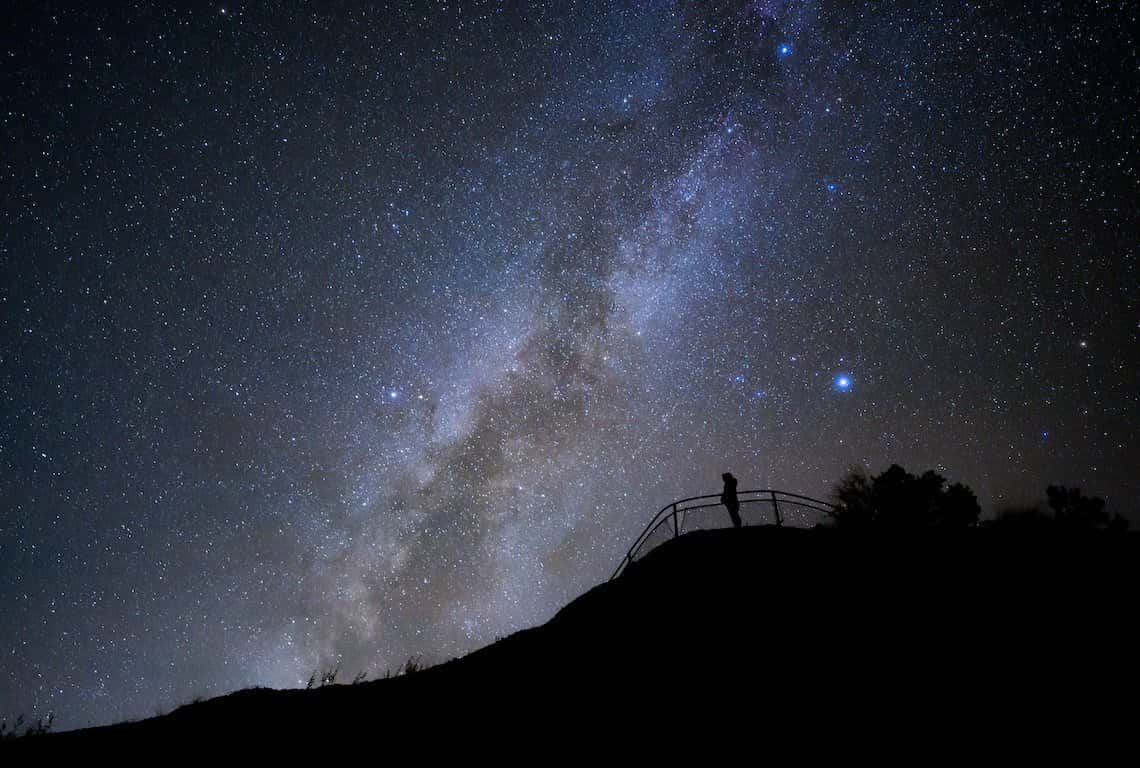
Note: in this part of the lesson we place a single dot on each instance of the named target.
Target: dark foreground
(759, 633)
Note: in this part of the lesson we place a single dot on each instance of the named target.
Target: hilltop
(749, 627)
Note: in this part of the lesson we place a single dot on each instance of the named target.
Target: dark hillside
(760, 625)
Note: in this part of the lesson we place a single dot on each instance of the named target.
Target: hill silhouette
(754, 628)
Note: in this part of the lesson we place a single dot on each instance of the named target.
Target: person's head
(727, 476)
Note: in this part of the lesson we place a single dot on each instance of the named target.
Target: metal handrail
(669, 513)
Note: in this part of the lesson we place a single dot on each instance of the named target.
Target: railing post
(776, 509)
(676, 533)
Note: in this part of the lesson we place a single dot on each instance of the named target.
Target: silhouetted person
(728, 498)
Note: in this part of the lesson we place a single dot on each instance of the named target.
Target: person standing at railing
(728, 498)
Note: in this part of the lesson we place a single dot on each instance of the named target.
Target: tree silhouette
(1071, 507)
(898, 499)
(957, 506)
(854, 497)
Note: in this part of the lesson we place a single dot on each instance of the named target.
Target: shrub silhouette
(898, 499)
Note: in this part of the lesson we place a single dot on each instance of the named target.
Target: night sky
(335, 332)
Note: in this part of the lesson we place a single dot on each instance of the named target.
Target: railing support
(672, 511)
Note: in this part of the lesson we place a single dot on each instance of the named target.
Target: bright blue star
(842, 382)
(832, 187)
(393, 395)
(784, 50)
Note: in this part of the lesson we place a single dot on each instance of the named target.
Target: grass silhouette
(21, 729)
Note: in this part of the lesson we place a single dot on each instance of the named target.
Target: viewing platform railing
(701, 512)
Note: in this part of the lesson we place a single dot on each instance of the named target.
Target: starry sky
(347, 332)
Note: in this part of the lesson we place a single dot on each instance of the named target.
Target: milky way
(340, 334)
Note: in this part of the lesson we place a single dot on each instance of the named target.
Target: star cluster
(339, 333)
